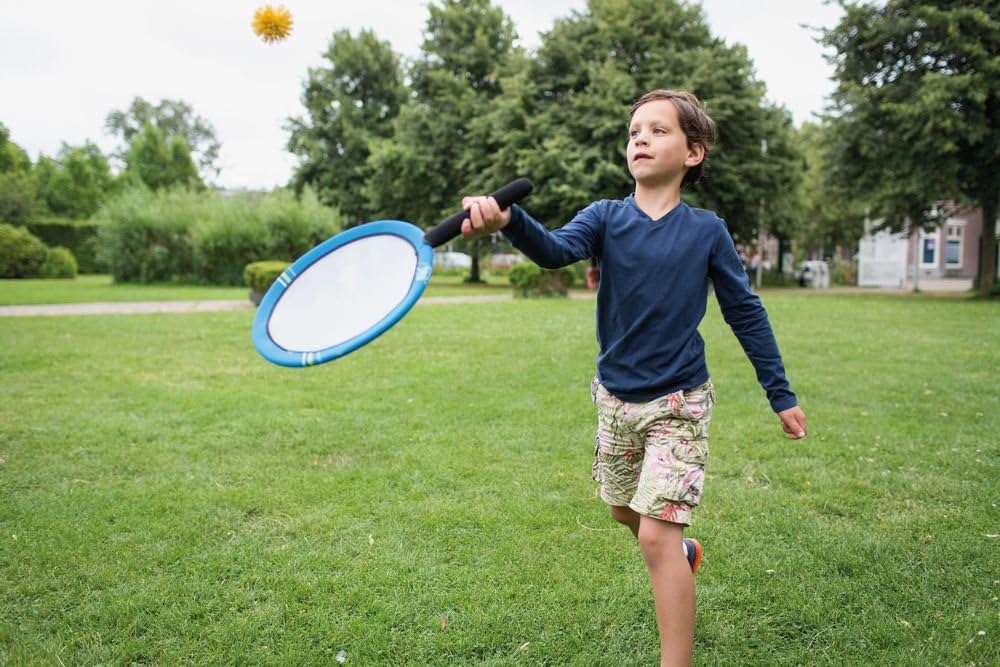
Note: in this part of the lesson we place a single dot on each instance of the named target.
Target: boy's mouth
(641, 156)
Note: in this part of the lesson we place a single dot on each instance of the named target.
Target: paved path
(125, 307)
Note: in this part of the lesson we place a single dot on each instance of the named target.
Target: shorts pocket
(694, 452)
(698, 402)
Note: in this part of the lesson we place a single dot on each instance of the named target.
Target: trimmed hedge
(258, 276)
(207, 237)
(79, 236)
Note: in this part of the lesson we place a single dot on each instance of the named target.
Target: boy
(652, 390)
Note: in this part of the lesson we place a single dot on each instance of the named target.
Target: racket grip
(509, 194)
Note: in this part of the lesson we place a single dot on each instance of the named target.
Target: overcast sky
(65, 64)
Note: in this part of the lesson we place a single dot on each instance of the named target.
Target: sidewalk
(129, 307)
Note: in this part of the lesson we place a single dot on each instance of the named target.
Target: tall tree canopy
(430, 160)
(481, 111)
(833, 216)
(76, 182)
(350, 103)
(916, 111)
(18, 188)
(569, 128)
(172, 118)
(160, 162)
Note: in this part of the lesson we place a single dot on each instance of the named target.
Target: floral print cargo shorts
(651, 456)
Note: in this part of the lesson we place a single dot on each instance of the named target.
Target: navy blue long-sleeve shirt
(653, 293)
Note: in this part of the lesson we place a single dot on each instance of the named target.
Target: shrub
(529, 279)
(79, 236)
(146, 236)
(59, 263)
(260, 275)
(208, 237)
(21, 253)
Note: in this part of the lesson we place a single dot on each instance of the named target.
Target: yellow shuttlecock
(272, 24)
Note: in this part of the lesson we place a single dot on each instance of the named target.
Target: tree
(916, 111)
(160, 163)
(349, 104)
(430, 161)
(12, 157)
(172, 118)
(18, 189)
(566, 127)
(75, 183)
(834, 216)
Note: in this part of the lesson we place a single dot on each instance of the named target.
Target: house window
(953, 247)
(928, 249)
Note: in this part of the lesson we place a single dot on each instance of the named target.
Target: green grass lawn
(166, 496)
(100, 288)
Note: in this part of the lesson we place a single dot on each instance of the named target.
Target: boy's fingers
(793, 423)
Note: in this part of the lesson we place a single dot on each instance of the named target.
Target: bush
(21, 253)
(59, 263)
(529, 279)
(259, 276)
(145, 236)
(206, 237)
(79, 236)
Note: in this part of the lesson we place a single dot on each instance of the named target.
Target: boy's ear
(696, 153)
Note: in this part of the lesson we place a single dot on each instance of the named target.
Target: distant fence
(882, 262)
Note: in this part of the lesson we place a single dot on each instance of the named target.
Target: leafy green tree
(18, 197)
(834, 216)
(75, 183)
(160, 163)
(917, 109)
(350, 103)
(172, 118)
(566, 125)
(18, 188)
(420, 172)
(12, 157)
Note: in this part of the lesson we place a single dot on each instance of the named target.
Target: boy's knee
(656, 539)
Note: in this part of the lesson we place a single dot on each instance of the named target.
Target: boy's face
(658, 151)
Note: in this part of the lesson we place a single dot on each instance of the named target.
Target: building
(949, 251)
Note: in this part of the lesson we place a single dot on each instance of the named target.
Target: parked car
(452, 260)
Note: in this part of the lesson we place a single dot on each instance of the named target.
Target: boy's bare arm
(485, 216)
(793, 422)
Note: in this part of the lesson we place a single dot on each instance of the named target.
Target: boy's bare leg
(628, 516)
(672, 581)
(673, 588)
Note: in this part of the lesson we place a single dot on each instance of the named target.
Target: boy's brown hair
(696, 125)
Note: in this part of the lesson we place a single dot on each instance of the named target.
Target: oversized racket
(352, 287)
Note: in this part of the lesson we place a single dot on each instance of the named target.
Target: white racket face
(344, 294)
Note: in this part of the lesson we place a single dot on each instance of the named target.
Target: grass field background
(166, 496)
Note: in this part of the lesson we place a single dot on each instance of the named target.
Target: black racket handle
(509, 194)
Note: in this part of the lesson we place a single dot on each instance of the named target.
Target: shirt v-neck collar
(630, 199)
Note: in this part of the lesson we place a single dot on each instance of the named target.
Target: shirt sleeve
(576, 240)
(746, 316)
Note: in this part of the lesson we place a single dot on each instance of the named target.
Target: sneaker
(693, 551)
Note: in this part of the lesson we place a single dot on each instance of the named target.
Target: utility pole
(758, 278)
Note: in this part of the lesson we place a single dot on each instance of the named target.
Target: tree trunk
(474, 269)
(988, 246)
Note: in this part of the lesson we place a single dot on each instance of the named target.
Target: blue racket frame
(297, 359)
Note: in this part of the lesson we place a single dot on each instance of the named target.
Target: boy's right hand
(485, 217)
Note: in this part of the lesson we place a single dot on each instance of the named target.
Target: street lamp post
(758, 278)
